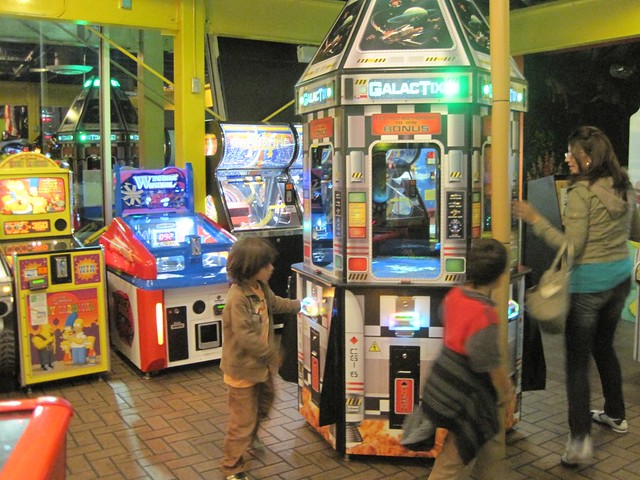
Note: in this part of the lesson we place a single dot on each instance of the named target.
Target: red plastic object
(40, 451)
(125, 253)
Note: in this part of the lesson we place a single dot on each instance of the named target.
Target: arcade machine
(167, 278)
(8, 345)
(250, 190)
(79, 139)
(396, 108)
(296, 168)
(58, 284)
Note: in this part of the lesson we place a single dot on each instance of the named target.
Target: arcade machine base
(362, 358)
(193, 323)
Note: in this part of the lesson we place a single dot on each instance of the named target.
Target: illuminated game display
(167, 274)
(396, 108)
(58, 283)
(254, 187)
(248, 183)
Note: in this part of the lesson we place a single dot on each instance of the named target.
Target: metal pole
(105, 129)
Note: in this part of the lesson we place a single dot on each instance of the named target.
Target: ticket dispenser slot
(404, 382)
(208, 335)
(60, 267)
(315, 366)
(177, 335)
(289, 194)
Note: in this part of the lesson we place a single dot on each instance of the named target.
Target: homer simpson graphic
(75, 342)
(45, 342)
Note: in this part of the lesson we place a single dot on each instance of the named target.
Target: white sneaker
(579, 452)
(618, 425)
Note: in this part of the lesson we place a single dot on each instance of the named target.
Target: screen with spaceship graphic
(400, 25)
(474, 25)
(337, 38)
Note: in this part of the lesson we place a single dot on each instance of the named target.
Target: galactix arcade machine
(251, 190)
(396, 110)
(59, 284)
(167, 277)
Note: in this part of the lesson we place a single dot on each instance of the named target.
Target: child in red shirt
(468, 381)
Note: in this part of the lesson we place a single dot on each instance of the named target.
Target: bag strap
(565, 252)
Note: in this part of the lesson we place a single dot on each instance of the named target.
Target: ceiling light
(69, 69)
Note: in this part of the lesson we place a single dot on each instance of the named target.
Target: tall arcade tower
(396, 107)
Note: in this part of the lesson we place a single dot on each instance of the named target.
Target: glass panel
(406, 210)
(322, 205)
(57, 105)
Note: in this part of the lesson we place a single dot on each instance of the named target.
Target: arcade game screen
(405, 210)
(36, 195)
(163, 233)
(253, 178)
(321, 204)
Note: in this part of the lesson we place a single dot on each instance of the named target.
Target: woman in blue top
(599, 218)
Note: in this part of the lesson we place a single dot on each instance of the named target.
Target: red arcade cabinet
(33, 438)
(167, 281)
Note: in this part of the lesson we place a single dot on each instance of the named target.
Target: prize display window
(322, 205)
(405, 210)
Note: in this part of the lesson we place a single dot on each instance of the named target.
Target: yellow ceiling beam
(303, 22)
(158, 14)
(569, 24)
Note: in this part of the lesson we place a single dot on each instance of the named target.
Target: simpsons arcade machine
(167, 277)
(59, 285)
(396, 110)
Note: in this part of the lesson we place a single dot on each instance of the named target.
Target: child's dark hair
(248, 256)
(487, 261)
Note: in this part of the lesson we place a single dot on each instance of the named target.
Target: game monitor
(248, 182)
(34, 198)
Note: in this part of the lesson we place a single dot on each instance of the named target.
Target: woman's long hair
(604, 163)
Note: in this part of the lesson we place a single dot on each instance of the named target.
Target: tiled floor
(172, 425)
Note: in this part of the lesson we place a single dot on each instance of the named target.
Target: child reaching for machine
(250, 355)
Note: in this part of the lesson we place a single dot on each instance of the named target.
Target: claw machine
(251, 190)
(166, 271)
(59, 284)
(396, 109)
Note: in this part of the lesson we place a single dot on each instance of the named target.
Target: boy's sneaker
(257, 444)
(579, 452)
(240, 476)
(618, 425)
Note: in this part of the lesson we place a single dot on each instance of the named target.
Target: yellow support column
(500, 185)
(151, 101)
(189, 94)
